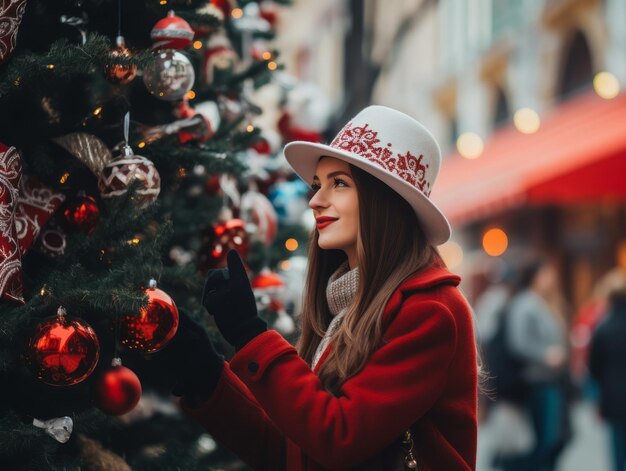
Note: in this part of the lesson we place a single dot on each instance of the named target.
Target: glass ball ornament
(83, 214)
(260, 215)
(120, 73)
(170, 76)
(154, 326)
(117, 390)
(117, 175)
(289, 198)
(218, 239)
(63, 351)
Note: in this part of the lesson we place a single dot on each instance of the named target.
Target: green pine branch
(64, 60)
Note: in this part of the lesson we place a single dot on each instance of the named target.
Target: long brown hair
(391, 246)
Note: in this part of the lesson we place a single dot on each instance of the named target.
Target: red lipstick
(323, 221)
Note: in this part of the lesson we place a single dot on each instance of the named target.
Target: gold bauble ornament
(120, 73)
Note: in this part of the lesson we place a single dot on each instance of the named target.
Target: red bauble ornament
(219, 239)
(155, 325)
(120, 73)
(63, 351)
(117, 389)
(267, 280)
(83, 213)
(212, 185)
(171, 32)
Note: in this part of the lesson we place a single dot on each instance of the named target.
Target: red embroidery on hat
(364, 142)
(412, 170)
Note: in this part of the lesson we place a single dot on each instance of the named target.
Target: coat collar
(429, 278)
(425, 280)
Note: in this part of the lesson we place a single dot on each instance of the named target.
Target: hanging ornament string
(126, 130)
(116, 347)
(119, 18)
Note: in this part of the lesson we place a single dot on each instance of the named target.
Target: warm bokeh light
(237, 13)
(526, 120)
(97, 111)
(470, 145)
(141, 145)
(272, 65)
(285, 265)
(606, 85)
(64, 177)
(495, 242)
(191, 95)
(452, 254)
(197, 44)
(250, 128)
(291, 244)
(266, 55)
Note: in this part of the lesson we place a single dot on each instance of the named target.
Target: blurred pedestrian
(607, 366)
(536, 334)
(586, 319)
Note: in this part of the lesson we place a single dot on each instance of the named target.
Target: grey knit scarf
(340, 291)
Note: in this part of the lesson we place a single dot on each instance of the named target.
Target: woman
(387, 343)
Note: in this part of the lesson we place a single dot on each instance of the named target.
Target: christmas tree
(130, 163)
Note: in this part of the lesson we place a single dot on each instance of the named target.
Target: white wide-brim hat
(390, 146)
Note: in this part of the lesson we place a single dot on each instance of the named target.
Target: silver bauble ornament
(170, 76)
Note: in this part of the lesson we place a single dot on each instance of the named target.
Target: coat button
(253, 367)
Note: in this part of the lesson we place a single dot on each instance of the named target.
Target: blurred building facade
(530, 89)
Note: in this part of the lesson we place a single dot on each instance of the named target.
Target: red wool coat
(271, 410)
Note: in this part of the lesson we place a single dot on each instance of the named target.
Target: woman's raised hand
(229, 298)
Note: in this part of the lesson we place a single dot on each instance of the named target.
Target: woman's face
(335, 206)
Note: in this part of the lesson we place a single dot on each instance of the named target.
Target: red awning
(578, 154)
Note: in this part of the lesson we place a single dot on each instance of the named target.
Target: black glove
(193, 362)
(229, 298)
